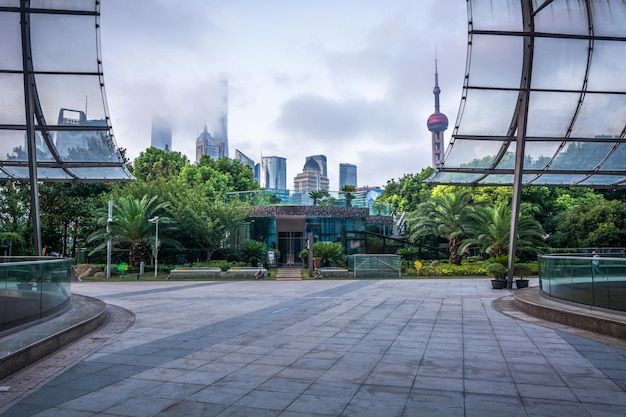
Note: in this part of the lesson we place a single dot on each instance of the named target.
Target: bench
(331, 272)
(247, 272)
(195, 272)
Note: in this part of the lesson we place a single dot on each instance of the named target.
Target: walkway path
(326, 348)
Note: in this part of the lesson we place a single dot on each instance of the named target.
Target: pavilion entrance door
(290, 231)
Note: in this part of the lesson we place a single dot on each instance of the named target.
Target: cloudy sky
(350, 79)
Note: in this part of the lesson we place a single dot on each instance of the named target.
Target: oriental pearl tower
(437, 123)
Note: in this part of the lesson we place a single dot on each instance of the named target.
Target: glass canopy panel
(538, 154)
(76, 93)
(581, 155)
(559, 64)
(85, 146)
(496, 61)
(52, 174)
(473, 153)
(12, 90)
(10, 42)
(76, 5)
(558, 179)
(607, 66)
(601, 115)
(495, 179)
(596, 180)
(496, 15)
(111, 174)
(562, 16)
(608, 18)
(9, 141)
(63, 42)
(10, 3)
(477, 120)
(457, 177)
(551, 114)
(617, 160)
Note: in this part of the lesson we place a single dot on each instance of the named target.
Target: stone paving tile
(331, 348)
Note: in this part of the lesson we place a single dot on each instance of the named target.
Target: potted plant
(498, 272)
(522, 271)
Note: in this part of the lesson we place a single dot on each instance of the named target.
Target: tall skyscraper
(273, 173)
(161, 136)
(206, 145)
(437, 123)
(311, 178)
(321, 161)
(241, 157)
(221, 133)
(347, 175)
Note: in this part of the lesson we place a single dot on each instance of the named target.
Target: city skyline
(351, 80)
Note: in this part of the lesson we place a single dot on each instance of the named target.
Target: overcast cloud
(351, 79)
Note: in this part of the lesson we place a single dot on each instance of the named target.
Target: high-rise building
(311, 178)
(437, 123)
(161, 136)
(321, 161)
(221, 133)
(75, 144)
(241, 157)
(206, 145)
(347, 175)
(273, 173)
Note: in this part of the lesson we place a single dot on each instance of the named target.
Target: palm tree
(348, 191)
(491, 229)
(330, 253)
(446, 216)
(318, 195)
(130, 225)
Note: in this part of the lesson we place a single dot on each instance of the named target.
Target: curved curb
(533, 302)
(29, 345)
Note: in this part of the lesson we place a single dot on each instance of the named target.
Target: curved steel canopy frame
(544, 98)
(54, 119)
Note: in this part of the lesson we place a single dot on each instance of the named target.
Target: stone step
(288, 274)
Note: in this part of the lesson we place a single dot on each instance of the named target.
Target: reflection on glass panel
(473, 154)
(456, 177)
(78, 92)
(581, 155)
(609, 18)
(558, 179)
(550, 114)
(13, 146)
(617, 160)
(12, 90)
(52, 173)
(607, 66)
(603, 179)
(488, 113)
(84, 5)
(10, 3)
(496, 15)
(64, 43)
(18, 172)
(562, 16)
(559, 63)
(496, 61)
(10, 42)
(110, 173)
(538, 154)
(498, 179)
(601, 114)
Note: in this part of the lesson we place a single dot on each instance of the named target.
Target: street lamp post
(109, 221)
(155, 220)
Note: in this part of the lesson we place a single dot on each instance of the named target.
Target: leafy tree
(490, 230)
(253, 252)
(447, 216)
(12, 244)
(155, 163)
(207, 223)
(348, 191)
(330, 253)
(131, 226)
(408, 192)
(14, 206)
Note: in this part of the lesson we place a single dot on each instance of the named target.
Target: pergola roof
(545, 79)
(53, 94)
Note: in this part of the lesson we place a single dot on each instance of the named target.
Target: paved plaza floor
(380, 348)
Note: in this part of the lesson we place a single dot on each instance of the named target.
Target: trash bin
(81, 255)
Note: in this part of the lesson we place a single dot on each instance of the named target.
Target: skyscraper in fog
(273, 173)
(221, 133)
(161, 136)
(347, 175)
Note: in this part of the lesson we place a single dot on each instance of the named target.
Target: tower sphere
(437, 122)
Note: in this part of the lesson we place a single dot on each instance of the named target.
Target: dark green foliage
(497, 271)
(154, 164)
(253, 252)
(330, 253)
(522, 270)
(13, 242)
(408, 192)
